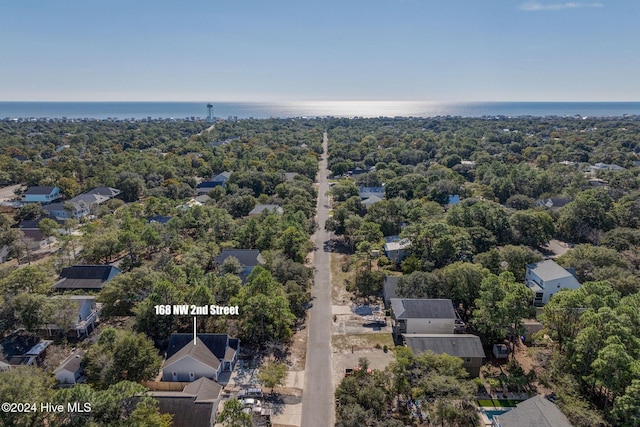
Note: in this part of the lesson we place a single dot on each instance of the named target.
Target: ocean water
(261, 110)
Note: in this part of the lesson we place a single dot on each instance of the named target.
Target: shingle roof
(549, 270)
(460, 345)
(260, 208)
(216, 343)
(422, 308)
(194, 406)
(390, 287)
(85, 276)
(71, 363)
(199, 352)
(247, 257)
(40, 190)
(221, 177)
(204, 390)
(105, 191)
(534, 412)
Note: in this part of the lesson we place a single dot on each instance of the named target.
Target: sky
(321, 50)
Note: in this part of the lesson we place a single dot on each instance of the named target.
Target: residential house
(546, 278)
(22, 348)
(86, 314)
(289, 176)
(370, 201)
(553, 202)
(86, 277)
(4, 253)
(465, 346)
(219, 180)
(35, 240)
(396, 249)
(248, 258)
(70, 370)
(108, 192)
(69, 209)
(195, 406)
(209, 356)
(42, 194)
(389, 289)
(603, 167)
(160, 219)
(367, 192)
(267, 207)
(422, 316)
(534, 412)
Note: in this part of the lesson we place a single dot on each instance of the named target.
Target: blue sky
(246, 50)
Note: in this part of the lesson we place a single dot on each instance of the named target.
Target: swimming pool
(490, 413)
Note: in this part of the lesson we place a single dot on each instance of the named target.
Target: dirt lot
(378, 359)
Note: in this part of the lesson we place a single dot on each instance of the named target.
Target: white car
(250, 403)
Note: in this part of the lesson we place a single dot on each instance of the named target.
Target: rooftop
(459, 345)
(422, 308)
(548, 270)
(534, 412)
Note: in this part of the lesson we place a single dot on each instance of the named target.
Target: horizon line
(316, 101)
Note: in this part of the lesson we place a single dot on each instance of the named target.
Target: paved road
(317, 398)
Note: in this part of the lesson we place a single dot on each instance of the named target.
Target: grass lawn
(500, 403)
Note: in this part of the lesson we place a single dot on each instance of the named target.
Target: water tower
(210, 116)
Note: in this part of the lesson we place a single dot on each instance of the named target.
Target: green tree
(273, 374)
(502, 305)
(122, 355)
(533, 228)
(232, 415)
(25, 384)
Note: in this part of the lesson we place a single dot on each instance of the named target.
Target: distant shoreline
(261, 110)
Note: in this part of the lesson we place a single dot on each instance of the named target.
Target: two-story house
(209, 356)
(422, 316)
(465, 346)
(546, 278)
(42, 194)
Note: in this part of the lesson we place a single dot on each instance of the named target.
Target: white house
(70, 370)
(422, 316)
(546, 278)
(396, 249)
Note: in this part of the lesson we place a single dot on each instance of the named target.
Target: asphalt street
(317, 398)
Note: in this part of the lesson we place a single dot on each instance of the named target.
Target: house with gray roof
(396, 248)
(4, 253)
(389, 289)
(534, 412)
(465, 346)
(219, 180)
(86, 312)
(266, 207)
(546, 278)
(41, 194)
(370, 201)
(422, 316)
(209, 356)
(196, 405)
(248, 258)
(70, 370)
(87, 277)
